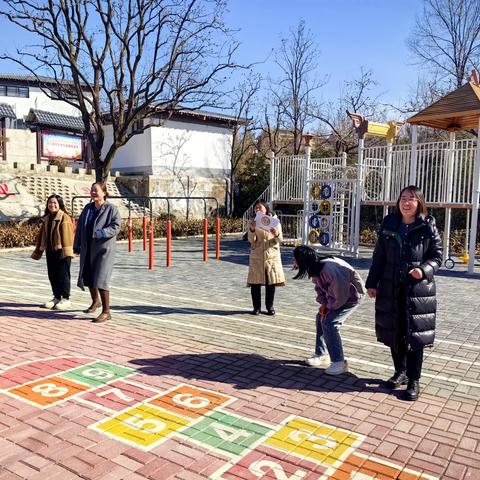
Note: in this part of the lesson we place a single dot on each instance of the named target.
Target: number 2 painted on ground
(259, 469)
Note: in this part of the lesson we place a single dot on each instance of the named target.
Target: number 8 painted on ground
(46, 389)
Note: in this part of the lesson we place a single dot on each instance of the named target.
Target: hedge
(23, 234)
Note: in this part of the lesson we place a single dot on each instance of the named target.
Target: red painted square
(265, 463)
(37, 369)
(118, 395)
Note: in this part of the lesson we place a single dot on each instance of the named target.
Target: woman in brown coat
(265, 264)
(55, 238)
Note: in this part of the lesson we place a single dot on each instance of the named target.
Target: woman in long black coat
(407, 255)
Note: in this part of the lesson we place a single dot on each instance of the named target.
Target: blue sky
(349, 33)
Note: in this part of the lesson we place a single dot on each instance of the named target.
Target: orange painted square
(371, 468)
(190, 401)
(48, 391)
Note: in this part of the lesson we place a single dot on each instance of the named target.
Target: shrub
(24, 234)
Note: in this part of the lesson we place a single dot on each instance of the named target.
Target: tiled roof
(6, 111)
(54, 120)
(40, 80)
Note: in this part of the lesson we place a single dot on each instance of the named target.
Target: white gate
(330, 214)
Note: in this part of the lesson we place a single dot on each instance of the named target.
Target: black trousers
(409, 362)
(59, 274)
(403, 359)
(257, 295)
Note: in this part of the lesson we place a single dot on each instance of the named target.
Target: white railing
(291, 226)
(289, 174)
(444, 175)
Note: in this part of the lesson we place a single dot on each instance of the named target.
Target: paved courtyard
(184, 384)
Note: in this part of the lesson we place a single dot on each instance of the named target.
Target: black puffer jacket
(392, 260)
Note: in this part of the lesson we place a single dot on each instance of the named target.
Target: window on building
(13, 91)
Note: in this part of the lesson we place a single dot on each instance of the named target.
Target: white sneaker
(63, 304)
(318, 361)
(51, 303)
(337, 368)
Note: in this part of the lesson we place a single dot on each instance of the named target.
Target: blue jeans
(328, 333)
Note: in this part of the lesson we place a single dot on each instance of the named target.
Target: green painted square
(226, 432)
(98, 373)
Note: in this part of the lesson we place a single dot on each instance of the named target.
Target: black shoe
(398, 379)
(413, 390)
(256, 311)
(270, 311)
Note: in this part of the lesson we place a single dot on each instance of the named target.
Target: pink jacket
(338, 284)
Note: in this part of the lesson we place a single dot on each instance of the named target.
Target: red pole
(169, 242)
(217, 238)
(150, 255)
(130, 234)
(205, 239)
(144, 228)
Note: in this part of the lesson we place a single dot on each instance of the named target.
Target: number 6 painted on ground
(189, 401)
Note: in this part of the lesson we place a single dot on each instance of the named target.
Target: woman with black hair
(401, 279)
(95, 242)
(55, 238)
(265, 262)
(339, 289)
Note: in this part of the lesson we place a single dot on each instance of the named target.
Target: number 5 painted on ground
(259, 469)
(137, 422)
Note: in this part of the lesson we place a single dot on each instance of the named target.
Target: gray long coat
(102, 250)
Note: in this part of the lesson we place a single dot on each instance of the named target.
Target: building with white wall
(36, 127)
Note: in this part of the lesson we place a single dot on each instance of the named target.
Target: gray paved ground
(191, 322)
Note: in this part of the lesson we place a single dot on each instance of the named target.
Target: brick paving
(184, 384)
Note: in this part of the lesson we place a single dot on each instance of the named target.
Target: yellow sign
(313, 236)
(325, 207)
(316, 191)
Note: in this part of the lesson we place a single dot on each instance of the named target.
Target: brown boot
(105, 315)
(95, 300)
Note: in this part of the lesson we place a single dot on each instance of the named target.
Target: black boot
(398, 379)
(413, 390)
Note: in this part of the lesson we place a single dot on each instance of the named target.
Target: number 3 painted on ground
(189, 401)
(259, 469)
(302, 435)
(48, 389)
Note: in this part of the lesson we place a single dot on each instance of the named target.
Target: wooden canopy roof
(459, 110)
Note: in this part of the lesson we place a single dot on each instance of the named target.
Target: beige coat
(265, 258)
(62, 236)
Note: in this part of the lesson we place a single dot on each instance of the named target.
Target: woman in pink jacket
(339, 289)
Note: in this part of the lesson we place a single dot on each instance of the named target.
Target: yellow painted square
(314, 441)
(142, 425)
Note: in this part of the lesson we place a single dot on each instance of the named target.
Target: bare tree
(243, 104)
(356, 96)
(446, 38)
(119, 62)
(297, 59)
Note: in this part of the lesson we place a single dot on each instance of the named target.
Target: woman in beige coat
(265, 264)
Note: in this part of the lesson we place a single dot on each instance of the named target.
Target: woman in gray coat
(95, 241)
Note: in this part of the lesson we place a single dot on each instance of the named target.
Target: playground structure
(330, 193)
(148, 218)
